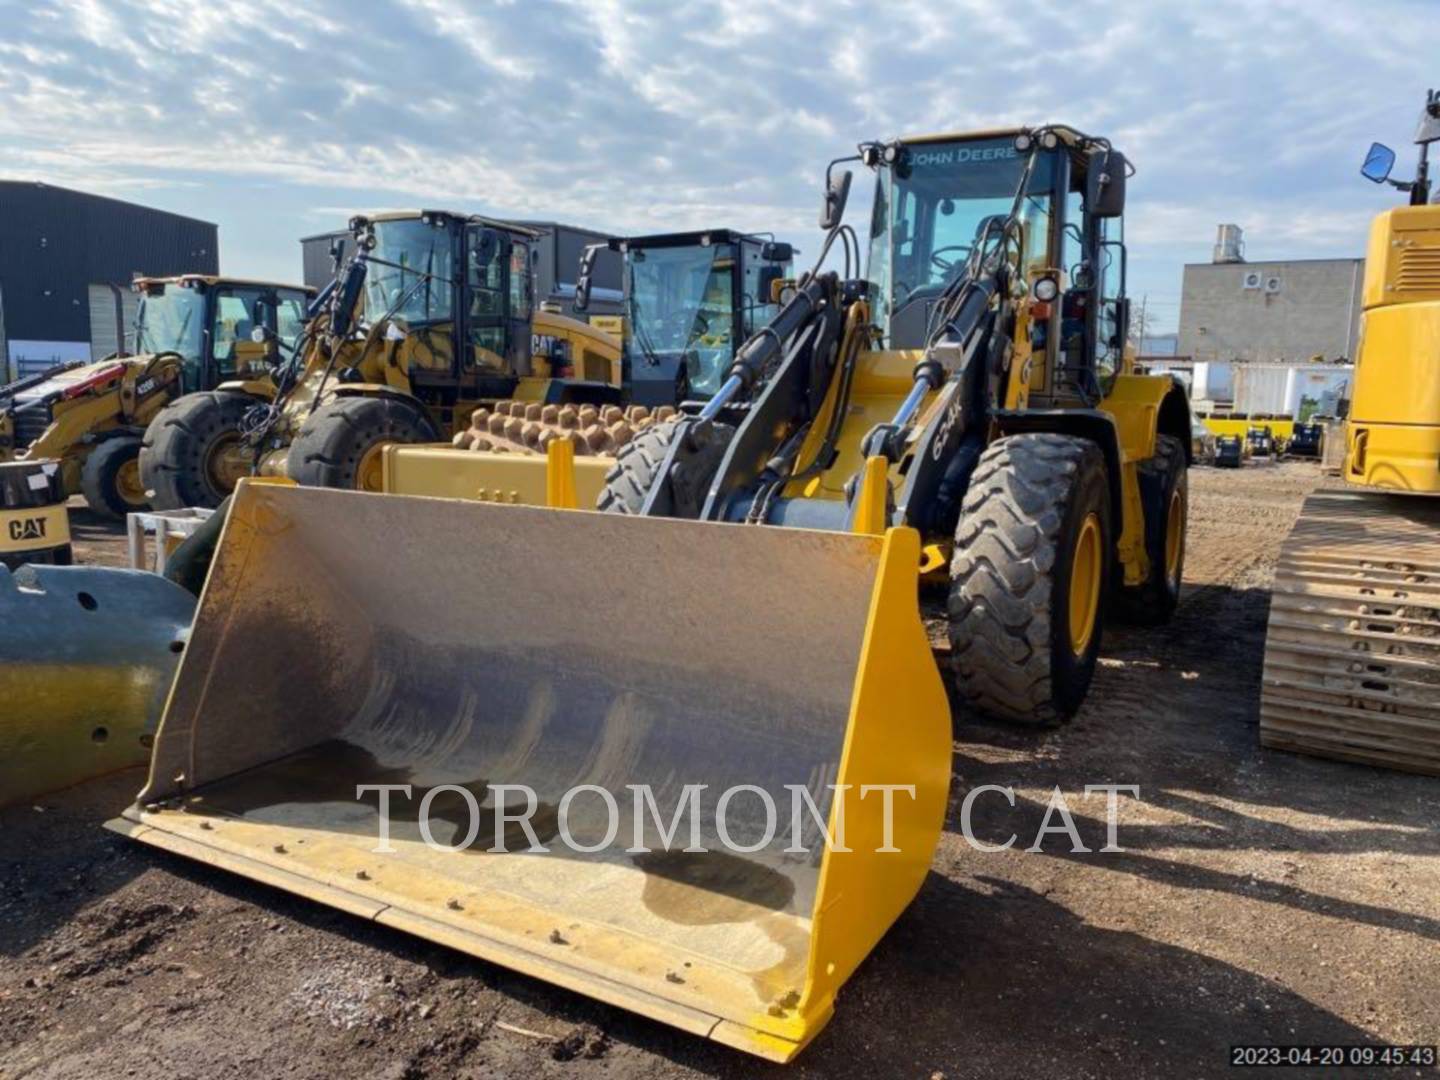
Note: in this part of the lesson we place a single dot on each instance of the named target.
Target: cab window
(289, 322)
(237, 313)
(520, 281)
(487, 288)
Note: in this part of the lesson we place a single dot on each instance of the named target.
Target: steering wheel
(944, 265)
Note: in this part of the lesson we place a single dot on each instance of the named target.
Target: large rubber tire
(180, 447)
(339, 442)
(110, 478)
(1165, 495)
(1022, 519)
(637, 466)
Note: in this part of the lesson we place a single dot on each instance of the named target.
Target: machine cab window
(237, 312)
(489, 281)
(938, 202)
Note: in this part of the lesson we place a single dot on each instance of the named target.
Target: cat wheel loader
(1352, 653)
(191, 332)
(433, 316)
(964, 403)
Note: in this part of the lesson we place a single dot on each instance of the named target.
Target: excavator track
(1352, 655)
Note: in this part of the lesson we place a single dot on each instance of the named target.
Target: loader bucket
(457, 647)
(86, 658)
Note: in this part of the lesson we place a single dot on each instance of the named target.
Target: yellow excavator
(745, 640)
(191, 333)
(432, 317)
(1352, 655)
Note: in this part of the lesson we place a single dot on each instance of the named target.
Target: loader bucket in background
(86, 658)
(439, 642)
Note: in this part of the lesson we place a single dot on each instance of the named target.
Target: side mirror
(765, 287)
(776, 251)
(837, 194)
(1378, 163)
(1105, 183)
(337, 251)
(582, 284)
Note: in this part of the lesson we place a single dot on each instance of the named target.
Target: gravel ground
(1260, 898)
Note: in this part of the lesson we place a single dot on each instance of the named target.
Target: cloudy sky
(277, 118)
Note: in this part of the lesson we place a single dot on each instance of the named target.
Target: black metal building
(556, 266)
(66, 262)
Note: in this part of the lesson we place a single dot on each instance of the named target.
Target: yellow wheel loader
(1352, 655)
(191, 332)
(752, 700)
(433, 316)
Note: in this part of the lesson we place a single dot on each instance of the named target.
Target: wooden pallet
(1352, 656)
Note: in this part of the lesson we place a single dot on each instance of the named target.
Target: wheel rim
(226, 463)
(370, 472)
(1085, 584)
(1174, 536)
(128, 484)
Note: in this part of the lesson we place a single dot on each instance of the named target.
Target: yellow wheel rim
(128, 485)
(1174, 536)
(226, 463)
(1085, 584)
(370, 472)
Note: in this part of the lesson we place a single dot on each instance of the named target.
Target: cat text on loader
(738, 660)
(191, 332)
(433, 316)
(1352, 655)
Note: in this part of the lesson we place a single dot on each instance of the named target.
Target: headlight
(1023, 141)
(1045, 289)
(1049, 140)
(891, 153)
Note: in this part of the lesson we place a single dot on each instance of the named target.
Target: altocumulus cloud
(272, 117)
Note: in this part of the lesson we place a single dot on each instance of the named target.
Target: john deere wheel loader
(430, 318)
(1352, 656)
(761, 633)
(191, 332)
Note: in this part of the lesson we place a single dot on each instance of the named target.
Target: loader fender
(86, 658)
(454, 653)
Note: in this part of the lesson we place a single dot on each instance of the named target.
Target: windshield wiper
(642, 333)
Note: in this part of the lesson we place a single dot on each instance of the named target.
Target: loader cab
(456, 293)
(941, 201)
(690, 300)
(222, 329)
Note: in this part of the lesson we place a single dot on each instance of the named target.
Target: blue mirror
(1378, 163)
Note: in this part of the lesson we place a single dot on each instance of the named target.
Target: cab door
(488, 334)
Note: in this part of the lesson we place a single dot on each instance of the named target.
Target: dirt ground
(1260, 898)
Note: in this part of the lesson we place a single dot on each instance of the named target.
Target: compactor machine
(962, 410)
(432, 316)
(1352, 656)
(191, 333)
